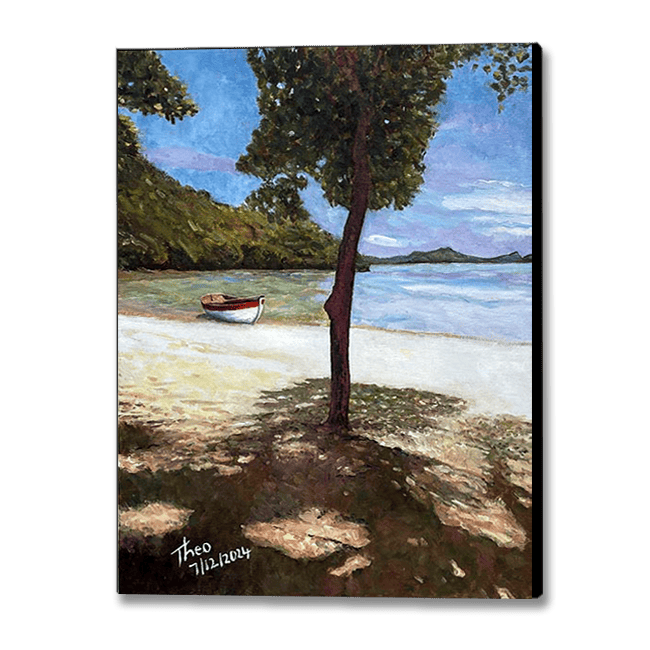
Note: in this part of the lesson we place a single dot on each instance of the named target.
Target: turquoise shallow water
(291, 296)
(492, 301)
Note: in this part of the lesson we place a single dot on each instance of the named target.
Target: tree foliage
(145, 85)
(312, 100)
(280, 199)
(162, 224)
(165, 225)
(359, 121)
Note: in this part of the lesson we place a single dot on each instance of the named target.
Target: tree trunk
(339, 304)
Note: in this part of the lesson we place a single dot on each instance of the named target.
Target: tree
(279, 199)
(145, 85)
(359, 121)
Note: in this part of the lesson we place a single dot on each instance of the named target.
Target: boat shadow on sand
(422, 501)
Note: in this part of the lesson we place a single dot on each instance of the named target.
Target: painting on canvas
(328, 309)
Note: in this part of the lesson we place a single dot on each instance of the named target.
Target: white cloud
(493, 183)
(501, 197)
(503, 219)
(512, 232)
(381, 240)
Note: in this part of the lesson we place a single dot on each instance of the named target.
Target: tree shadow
(283, 464)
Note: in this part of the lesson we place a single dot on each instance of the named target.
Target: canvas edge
(543, 605)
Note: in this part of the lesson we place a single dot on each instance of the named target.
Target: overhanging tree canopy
(313, 99)
(359, 121)
(144, 85)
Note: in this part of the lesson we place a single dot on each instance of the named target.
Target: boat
(232, 309)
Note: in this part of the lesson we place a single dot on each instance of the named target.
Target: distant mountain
(445, 256)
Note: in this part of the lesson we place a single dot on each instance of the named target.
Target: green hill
(162, 224)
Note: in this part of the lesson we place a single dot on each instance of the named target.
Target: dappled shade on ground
(423, 500)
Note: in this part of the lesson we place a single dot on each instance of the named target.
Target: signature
(205, 562)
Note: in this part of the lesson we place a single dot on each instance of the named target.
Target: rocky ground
(424, 499)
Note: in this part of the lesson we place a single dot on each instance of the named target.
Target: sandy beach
(219, 439)
(208, 369)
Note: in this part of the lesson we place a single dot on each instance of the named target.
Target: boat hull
(246, 310)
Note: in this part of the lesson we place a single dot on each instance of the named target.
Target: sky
(476, 197)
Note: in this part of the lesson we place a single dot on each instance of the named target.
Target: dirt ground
(424, 499)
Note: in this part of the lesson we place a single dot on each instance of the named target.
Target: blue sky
(477, 192)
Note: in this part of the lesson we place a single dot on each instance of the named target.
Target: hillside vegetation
(165, 225)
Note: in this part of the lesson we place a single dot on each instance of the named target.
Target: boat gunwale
(230, 303)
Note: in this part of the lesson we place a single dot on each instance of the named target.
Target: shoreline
(198, 369)
(196, 317)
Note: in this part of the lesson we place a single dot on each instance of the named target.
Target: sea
(492, 301)
(487, 301)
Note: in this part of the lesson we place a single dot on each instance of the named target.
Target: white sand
(212, 368)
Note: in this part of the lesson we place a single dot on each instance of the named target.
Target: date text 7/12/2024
(204, 562)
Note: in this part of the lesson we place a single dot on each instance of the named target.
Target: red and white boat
(232, 309)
